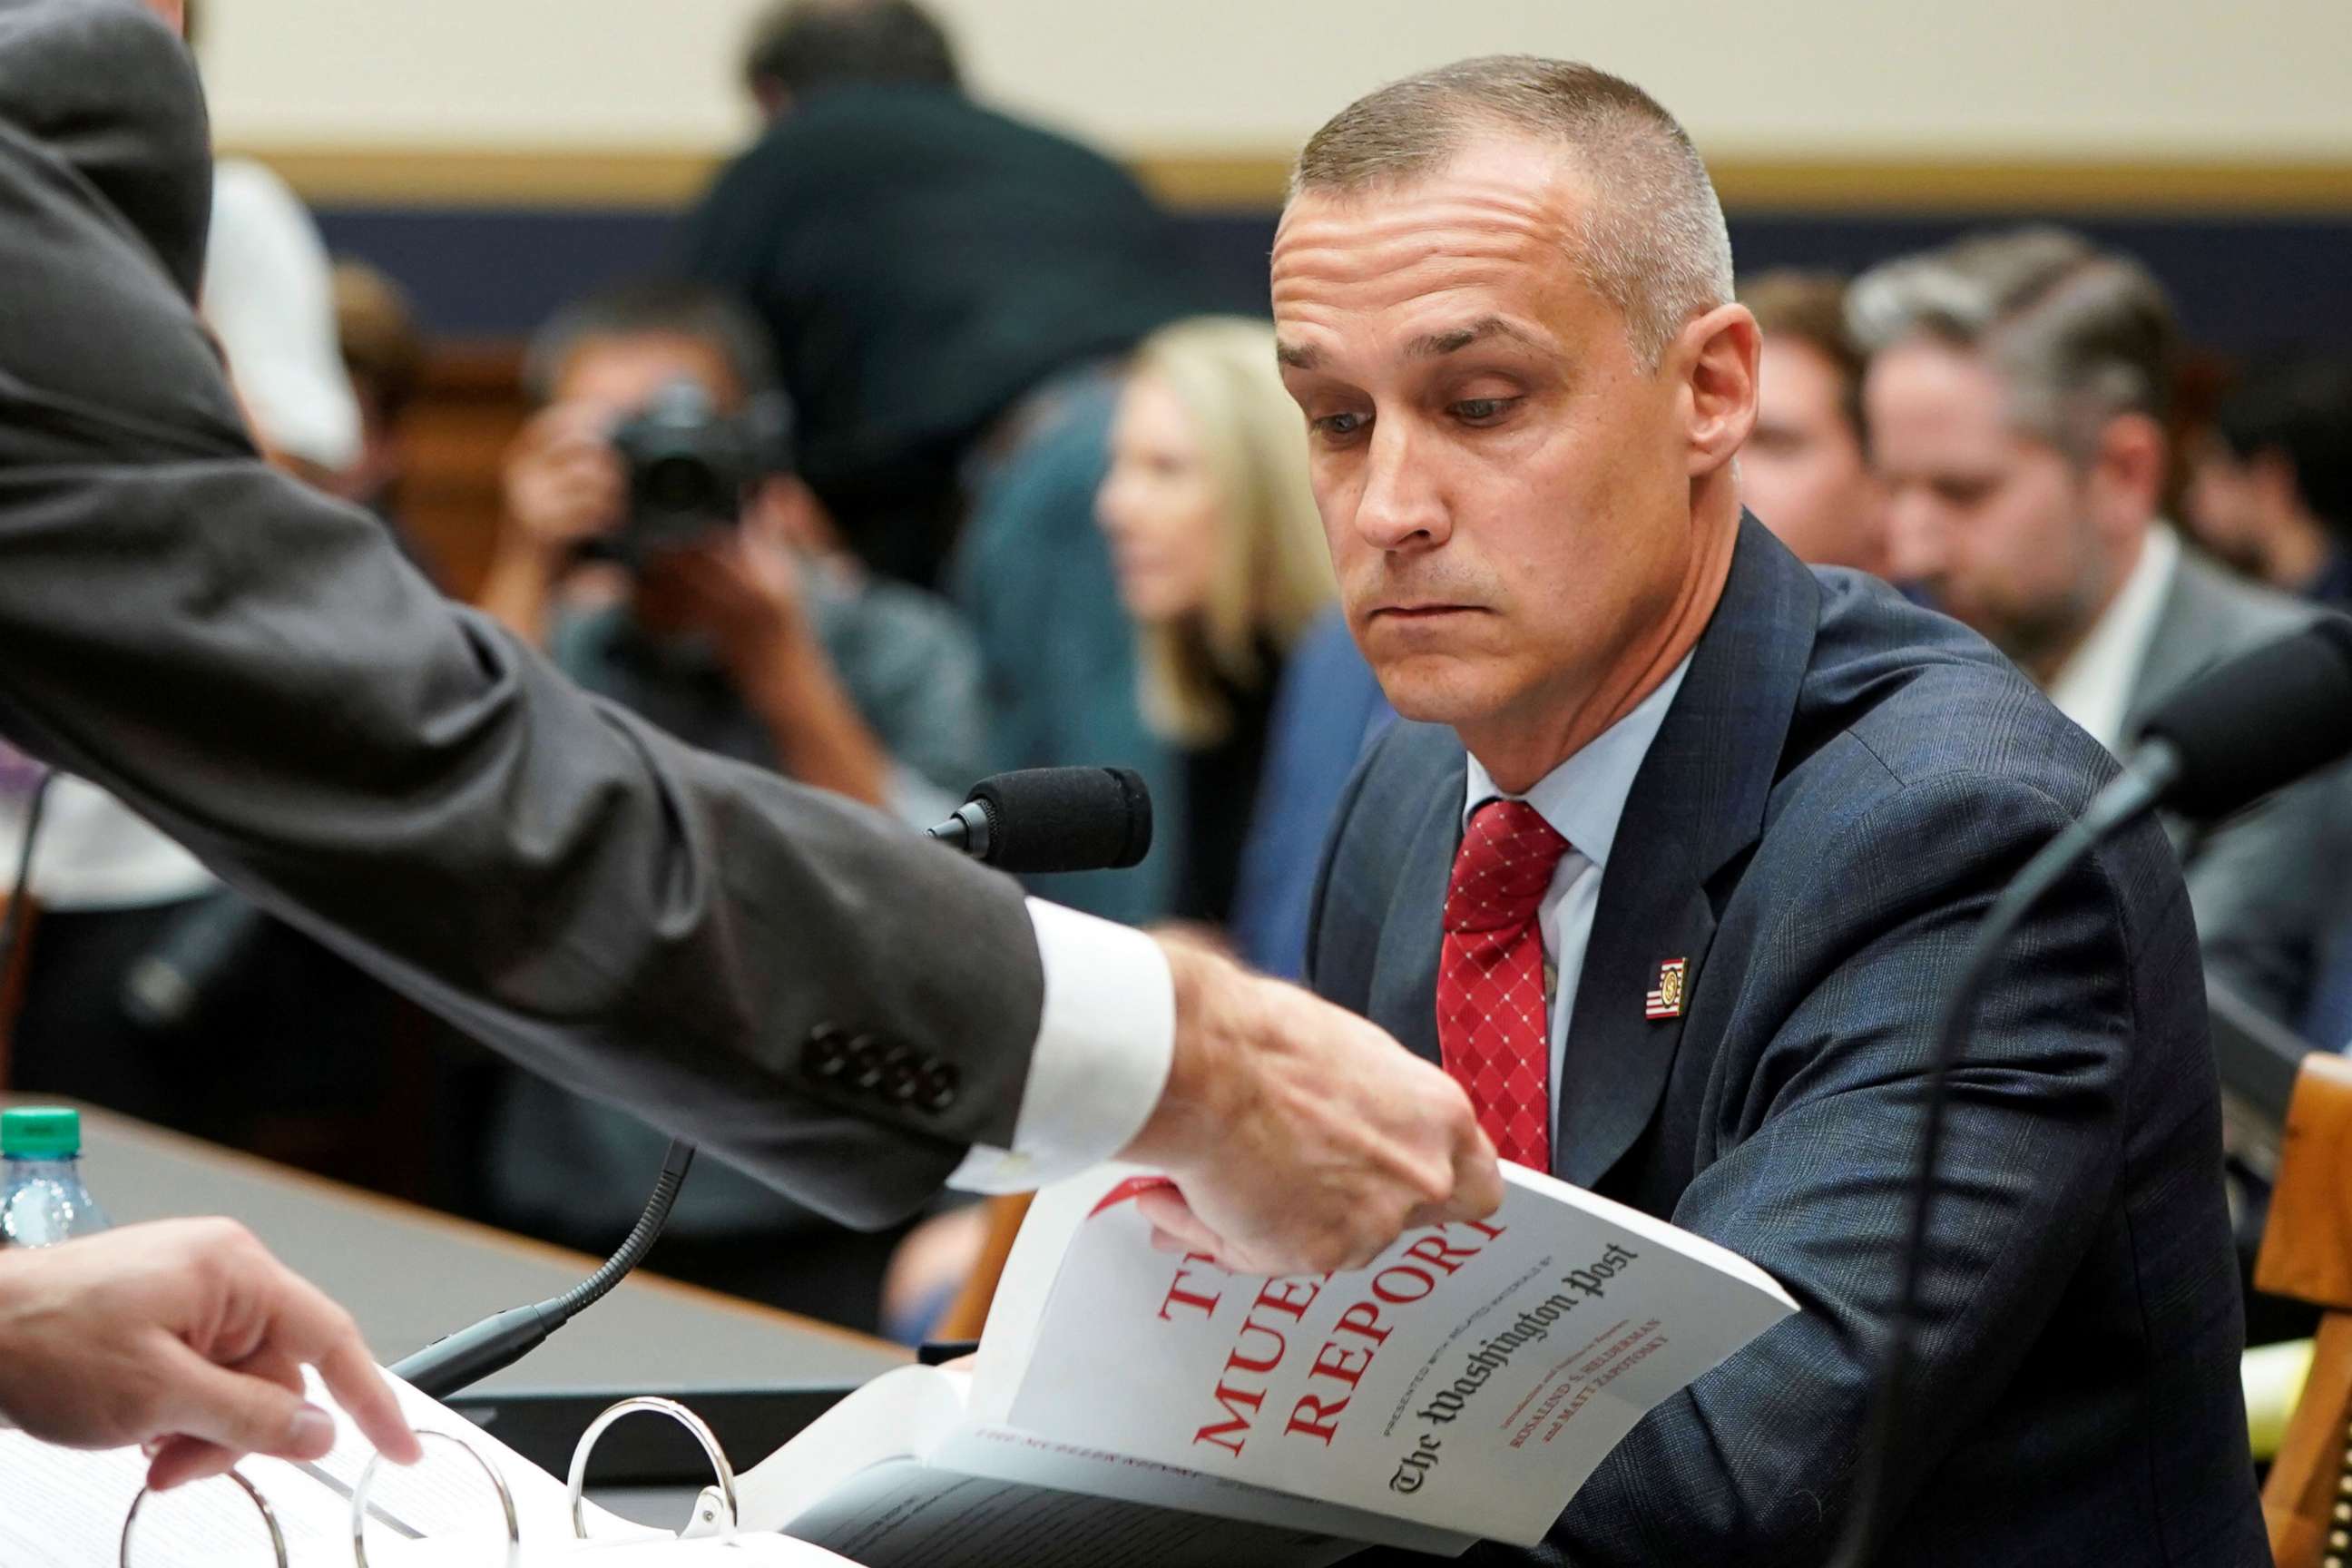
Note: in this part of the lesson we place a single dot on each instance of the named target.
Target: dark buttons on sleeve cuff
(825, 1054)
(866, 1061)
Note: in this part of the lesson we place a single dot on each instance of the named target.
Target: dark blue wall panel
(2245, 285)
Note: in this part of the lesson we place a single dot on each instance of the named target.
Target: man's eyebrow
(1459, 338)
(1294, 356)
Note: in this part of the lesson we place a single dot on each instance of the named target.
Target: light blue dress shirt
(1583, 799)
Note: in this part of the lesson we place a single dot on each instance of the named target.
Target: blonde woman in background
(1220, 560)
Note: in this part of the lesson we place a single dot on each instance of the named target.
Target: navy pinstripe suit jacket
(1843, 783)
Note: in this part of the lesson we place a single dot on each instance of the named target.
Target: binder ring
(675, 1412)
(269, 1517)
(367, 1478)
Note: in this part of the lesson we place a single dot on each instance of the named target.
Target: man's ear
(1716, 357)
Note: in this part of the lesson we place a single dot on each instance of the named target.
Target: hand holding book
(1300, 1137)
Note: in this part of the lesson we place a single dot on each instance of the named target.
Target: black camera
(690, 468)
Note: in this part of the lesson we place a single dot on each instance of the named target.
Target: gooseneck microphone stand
(465, 1358)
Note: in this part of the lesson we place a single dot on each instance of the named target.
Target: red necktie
(1491, 1026)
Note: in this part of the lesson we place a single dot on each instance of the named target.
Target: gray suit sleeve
(805, 987)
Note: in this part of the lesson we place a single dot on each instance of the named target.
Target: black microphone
(1054, 819)
(2255, 722)
(2250, 725)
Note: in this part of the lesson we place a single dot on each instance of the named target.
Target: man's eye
(1482, 410)
(1339, 426)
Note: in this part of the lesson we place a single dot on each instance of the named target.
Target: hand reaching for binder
(189, 1337)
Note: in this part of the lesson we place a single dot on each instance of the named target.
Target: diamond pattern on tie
(1491, 1027)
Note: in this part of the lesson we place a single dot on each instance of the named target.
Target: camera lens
(682, 484)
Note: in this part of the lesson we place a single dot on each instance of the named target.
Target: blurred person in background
(383, 356)
(1328, 709)
(2018, 389)
(1805, 472)
(948, 291)
(269, 295)
(2269, 484)
(1220, 560)
(2270, 491)
(756, 637)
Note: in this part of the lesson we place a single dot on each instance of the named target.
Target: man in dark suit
(812, 992)
(947, 290)
(2019, 392)
(1678, 864)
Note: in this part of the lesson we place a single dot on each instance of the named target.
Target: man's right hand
(1301, 1138)
(187, 1336)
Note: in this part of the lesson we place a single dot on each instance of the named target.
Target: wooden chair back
(968, 1312)
(2308, 1254)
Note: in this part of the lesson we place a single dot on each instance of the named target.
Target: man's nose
(1400, 506)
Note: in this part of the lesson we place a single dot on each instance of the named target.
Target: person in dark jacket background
(946, 287)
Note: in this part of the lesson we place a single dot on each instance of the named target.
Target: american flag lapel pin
(1666, 1001)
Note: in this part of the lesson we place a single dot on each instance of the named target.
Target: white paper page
(1469, 1380)
(900, 1414)
(60, 1509)
(63, 1508)
(454, 1490)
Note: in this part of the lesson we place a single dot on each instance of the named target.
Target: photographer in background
(2269, 484)
(741, 627)
(658, 548)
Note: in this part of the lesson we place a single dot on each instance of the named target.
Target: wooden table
(410, 1276)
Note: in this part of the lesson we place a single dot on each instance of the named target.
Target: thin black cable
(12, 924)
(2154, 768)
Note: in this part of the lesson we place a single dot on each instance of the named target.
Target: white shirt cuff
(1104, 1044)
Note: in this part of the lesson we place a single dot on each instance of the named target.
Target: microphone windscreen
(1066, 819)
(2259, 722)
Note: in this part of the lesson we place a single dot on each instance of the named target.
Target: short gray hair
(2078, 334)
(1653, 243)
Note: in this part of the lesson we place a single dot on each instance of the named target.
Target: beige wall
(1829, 79)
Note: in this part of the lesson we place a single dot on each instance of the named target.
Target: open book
(1131, 1408)
(1128, 1409)
(63, 1508)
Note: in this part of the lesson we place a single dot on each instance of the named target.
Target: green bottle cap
(40, 1133)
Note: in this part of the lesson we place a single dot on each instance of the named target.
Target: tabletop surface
(410, 1276)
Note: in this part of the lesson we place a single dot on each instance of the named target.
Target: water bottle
(42, 1199)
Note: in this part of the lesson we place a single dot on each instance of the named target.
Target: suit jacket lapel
(1698, 803)
(1404, 973)
(2179, 645)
